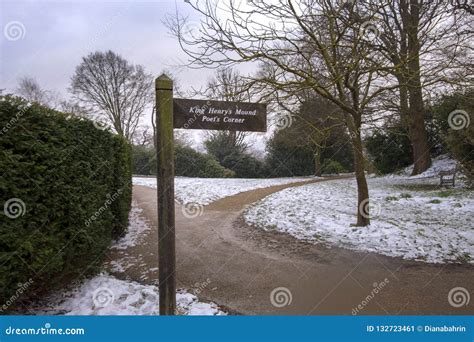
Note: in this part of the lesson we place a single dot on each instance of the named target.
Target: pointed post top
(163, 82)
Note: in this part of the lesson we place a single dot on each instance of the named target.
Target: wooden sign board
(219, 115)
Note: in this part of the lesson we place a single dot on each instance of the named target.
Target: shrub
(454, 117)
(229, 173)
(213, 169)
(188, 163)
(332, 166)
(389, 149)
(71, 183)
(191, 163)
(286, 159)
(391, 198)
(244, 165)
(143, 160)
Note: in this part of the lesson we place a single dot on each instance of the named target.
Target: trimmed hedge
(71, 183)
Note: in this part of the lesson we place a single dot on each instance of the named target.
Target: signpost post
(188, 114)
(165, 194)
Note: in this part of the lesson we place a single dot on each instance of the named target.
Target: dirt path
(223, 260)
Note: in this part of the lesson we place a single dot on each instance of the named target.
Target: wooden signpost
(220, 115)
(188, 114)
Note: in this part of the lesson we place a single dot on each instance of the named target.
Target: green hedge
(188, 163)
(75, 183)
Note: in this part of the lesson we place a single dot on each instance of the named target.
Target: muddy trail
(251, 271)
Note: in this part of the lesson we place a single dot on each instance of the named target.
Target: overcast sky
(47, 39)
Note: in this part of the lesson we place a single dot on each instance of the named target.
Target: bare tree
(465, 5)
(117, 90)
(317, 45)
(30, 89)
(228, 85)
(423, 42)
(73, 107)
(143, 136)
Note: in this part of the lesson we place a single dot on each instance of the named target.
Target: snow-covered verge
(106, 295)
(412, 221)
(207, 190)
(137, 227)
(440, 163)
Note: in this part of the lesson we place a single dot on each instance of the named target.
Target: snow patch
(207, 190)
(440, 163)
(106, 295)
(136, 228)
(426, 225)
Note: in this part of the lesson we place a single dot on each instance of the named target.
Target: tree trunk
(416, 115)
(418, 138)
(415, 125)
(363, 218)
(317, 162)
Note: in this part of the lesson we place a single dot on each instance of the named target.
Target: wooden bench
(447, 177)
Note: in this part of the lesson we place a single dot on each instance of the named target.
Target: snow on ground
(207, 190)
(440, 163)
(413, 221)
(136, 229)
(106, 295)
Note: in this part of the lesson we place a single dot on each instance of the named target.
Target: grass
(391, 198)
(434, 189)
(417, 187)
(435, 201)
(446, 193)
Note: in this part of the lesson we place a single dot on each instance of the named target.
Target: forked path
(238, 267)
